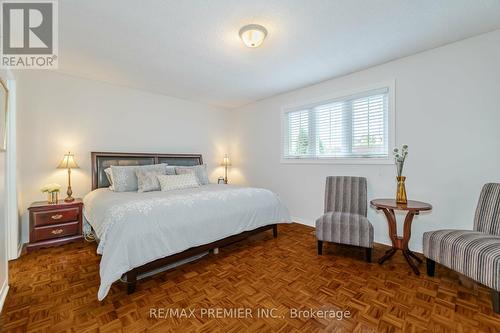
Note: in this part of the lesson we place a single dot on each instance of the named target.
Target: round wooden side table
(388, 206)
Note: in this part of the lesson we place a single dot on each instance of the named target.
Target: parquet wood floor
(54, 290)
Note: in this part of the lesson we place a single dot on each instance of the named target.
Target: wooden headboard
(101, 161)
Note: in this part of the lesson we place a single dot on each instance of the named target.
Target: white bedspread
(137, 228)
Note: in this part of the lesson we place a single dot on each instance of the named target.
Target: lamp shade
(226, 161)
(68, 162)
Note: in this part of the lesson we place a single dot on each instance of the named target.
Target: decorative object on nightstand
(399, 158)
(55, 224)
(68, 162)
(52, 191)
(221, 180)
(225, 163)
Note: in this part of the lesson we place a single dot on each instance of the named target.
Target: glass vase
(52, 197)
(401, 191)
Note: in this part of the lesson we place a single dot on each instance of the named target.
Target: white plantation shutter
(350, 127)
(297, 125)
(331, 129)
(369, 125)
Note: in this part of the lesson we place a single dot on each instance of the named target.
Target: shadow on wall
(236, 177)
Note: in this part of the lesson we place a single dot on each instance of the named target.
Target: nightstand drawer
(56, 216)
(55, 224)
(56, 231)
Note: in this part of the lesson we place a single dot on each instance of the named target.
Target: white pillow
(147, 180)
(170, 170)
(177, 182)
(199, 170)
(107, 171)
(125, 179)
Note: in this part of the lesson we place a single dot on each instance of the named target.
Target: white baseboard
(19, 250)
(3, 294)
(307, 222)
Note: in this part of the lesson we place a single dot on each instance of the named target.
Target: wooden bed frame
(102, 160)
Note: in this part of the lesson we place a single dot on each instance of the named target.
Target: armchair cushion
(472, 253)
(345, 228)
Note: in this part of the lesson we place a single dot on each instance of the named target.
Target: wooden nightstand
(55, 224)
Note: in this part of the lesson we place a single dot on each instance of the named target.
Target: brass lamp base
(69, 198)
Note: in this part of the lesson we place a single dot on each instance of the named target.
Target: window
(354, 127)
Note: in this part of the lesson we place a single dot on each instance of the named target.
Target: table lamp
(225, 163)
(68, 162)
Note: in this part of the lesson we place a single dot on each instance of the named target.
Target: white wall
(58, 113)
(447, 111)
(3, 231)
(4, 272)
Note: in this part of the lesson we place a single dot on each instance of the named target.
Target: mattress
(137, 228)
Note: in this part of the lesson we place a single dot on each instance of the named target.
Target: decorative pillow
(170, 170)
(177, 182)
(125, 179)
(147, 180)
(107, 171)
(199, 170)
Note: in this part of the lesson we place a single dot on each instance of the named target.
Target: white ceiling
(191, 49)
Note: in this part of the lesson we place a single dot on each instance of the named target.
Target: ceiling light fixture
(253, 35)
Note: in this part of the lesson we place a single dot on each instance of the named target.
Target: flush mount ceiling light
(253, 35)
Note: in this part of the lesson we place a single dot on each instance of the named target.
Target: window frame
(391, 126)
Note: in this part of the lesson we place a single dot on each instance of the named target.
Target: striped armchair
(474, 253)
(344, 220)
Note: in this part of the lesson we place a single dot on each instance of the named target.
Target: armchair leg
(495, 300)
(431, 266)
(320, 247)
(368, 254)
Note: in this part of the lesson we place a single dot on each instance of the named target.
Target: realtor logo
(29, 34)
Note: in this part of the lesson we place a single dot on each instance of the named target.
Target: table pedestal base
(400, 243)
(408, 256)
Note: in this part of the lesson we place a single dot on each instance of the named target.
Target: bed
(141, 232)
